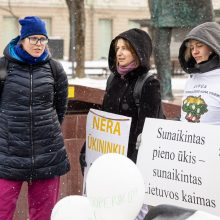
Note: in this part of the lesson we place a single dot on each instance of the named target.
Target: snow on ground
(178, 83)
(89, 82)
(96, 79)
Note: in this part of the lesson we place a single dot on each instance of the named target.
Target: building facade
(54, 12)
(104, 20)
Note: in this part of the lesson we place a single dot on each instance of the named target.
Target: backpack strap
(53, 66)
(138, 87)
(3, 68)
(138, 90)
(109, 80)
(3, 72)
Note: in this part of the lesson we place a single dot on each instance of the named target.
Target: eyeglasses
(35, 40)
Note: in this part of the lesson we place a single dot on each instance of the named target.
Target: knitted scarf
(26, 57)
(123, 70)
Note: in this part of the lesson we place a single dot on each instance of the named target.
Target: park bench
(92, 68)
(100, 68)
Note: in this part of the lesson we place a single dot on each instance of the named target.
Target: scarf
(26, 57)
(123, 70)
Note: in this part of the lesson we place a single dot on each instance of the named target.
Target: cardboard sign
(105, 133)
(180, 163)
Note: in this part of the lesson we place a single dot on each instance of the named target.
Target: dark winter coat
(119, 97)
(31, 142)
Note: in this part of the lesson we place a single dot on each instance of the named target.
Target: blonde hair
(187, 54)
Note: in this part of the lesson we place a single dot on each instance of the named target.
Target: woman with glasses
(32, 108)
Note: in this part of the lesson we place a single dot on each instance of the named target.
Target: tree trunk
(9, 10)
(77, 36)
(166, 15)
(80, 38)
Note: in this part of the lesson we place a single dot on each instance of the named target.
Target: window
(48, 25)
(105, 30)
(10, 29)
(133, 24)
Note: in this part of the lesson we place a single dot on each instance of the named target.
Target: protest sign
(105, 133)
(180, 163)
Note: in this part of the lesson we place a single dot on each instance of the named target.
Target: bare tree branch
(77, 35)
(9, 9)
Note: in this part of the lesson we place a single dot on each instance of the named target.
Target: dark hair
(130, 48)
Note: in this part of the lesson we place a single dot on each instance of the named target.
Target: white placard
(180, 163)
(105, 133)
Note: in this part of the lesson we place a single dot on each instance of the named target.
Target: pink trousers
(42, 196)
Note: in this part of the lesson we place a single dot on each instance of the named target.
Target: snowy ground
(100, 83)
(96, 79)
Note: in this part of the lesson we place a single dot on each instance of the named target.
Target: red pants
(42, 196)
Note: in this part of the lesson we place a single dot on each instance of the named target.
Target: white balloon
(72, 207)
(115, 188)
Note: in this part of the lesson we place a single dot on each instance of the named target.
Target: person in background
(199, 56)
(129, 59)
(32, 108)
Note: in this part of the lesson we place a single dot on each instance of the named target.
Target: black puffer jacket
(31, 142)
(119, 97)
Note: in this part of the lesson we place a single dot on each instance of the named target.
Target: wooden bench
(176, 68)
(92, 68)
(100, 68)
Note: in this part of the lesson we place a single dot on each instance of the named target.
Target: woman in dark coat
(129, 58)
(32, 107)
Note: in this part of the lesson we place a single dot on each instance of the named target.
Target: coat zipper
(122, 95)
(31, 125)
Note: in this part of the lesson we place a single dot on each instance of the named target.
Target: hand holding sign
(105, 133)
(115, 188)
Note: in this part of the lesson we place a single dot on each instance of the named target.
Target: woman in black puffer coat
(32, 107)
